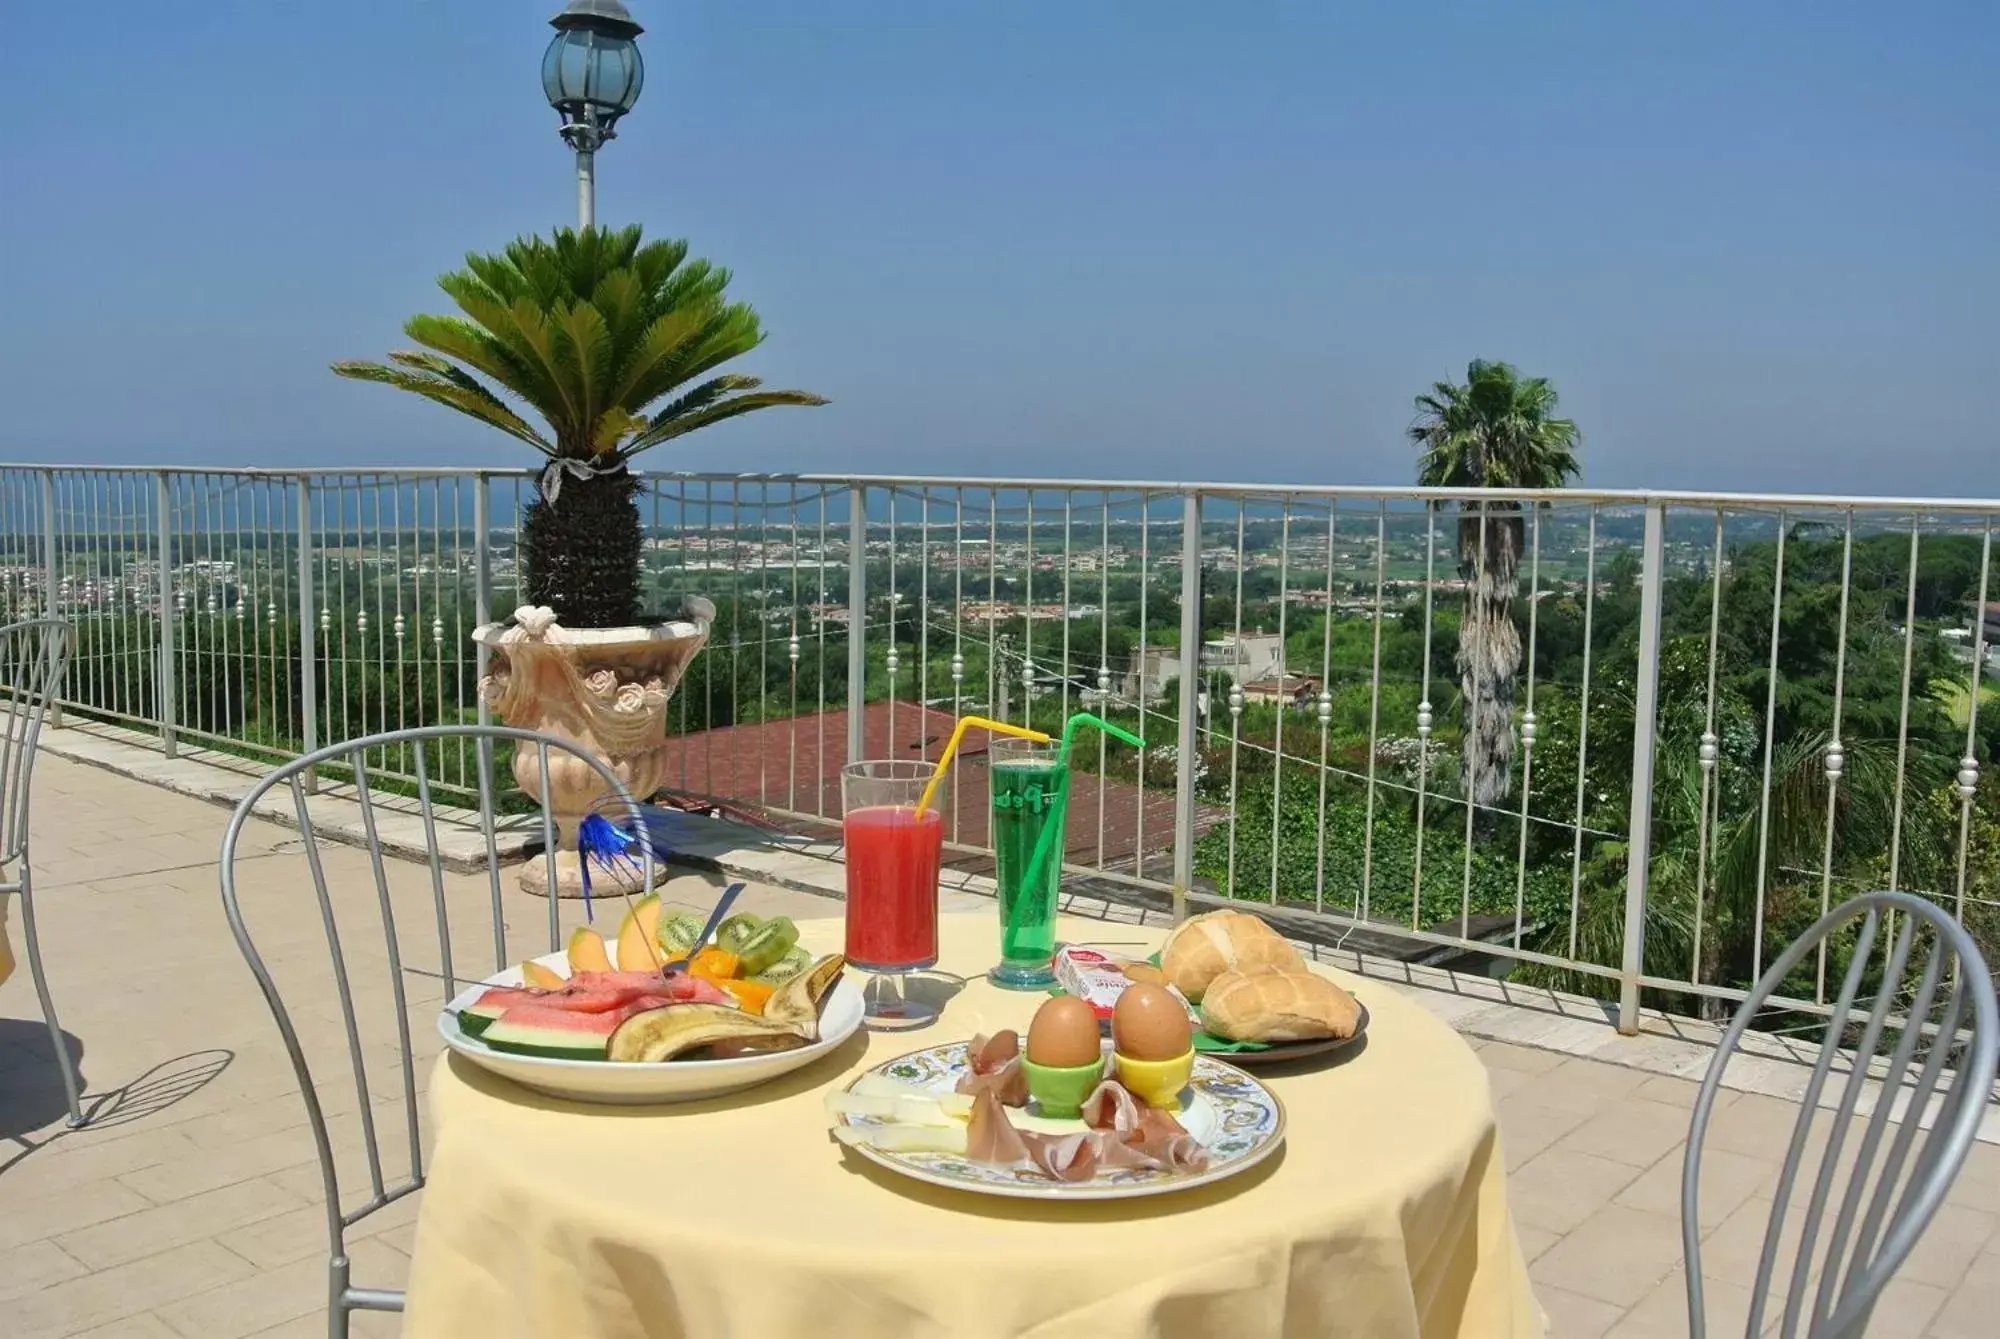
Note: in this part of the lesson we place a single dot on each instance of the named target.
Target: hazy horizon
(1161, 241)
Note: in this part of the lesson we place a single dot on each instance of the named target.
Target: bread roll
(1143, 973)
(1203, 948)
(1277, 1006)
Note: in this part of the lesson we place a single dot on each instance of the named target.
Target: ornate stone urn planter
(605, 688)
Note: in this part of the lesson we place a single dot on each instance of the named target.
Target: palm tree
(589, 331)
(1498, 430)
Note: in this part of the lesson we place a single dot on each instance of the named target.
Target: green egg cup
(1061, 1092)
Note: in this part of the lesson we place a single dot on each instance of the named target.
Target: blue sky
(1169, 240)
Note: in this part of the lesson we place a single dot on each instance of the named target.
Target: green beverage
(1028, 784)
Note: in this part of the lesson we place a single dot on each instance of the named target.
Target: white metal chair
(34, 655)
(351, 759)
(1854, 1237)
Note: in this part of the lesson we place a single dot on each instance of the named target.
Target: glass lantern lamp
(592, 75)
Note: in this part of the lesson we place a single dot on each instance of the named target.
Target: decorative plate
(632, 1083)
(1237, 1119)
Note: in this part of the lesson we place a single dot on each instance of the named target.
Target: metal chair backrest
(34, 654)
(343, 762)
(1866, 1212)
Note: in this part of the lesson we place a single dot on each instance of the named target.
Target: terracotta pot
(605, 688)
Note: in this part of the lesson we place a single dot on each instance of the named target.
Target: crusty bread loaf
(1277, 1006)
(1144, 973)
(1201, 949)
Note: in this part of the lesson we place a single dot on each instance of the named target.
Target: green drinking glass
(1030, 786)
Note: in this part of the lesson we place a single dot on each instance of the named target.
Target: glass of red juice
(892, 883)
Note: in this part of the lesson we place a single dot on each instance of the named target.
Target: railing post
(51, 576)
(857, 623)
(1188, 740)
(166, 694)
(1646, 695)
(482, 581)
(308, 633)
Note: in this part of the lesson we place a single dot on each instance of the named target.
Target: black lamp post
(592, 75)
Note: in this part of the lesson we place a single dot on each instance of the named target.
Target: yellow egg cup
(1157, 1083)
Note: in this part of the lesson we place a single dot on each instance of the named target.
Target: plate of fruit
(601, 1022)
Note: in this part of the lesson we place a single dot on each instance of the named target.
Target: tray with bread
(1248, 990)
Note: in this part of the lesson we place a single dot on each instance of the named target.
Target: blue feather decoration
(618, 847)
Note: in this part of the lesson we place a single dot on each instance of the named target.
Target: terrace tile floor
(192, 1206)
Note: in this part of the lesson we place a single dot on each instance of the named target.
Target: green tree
(590, 331)
(1498, 430)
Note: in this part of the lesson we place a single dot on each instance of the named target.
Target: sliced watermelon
(559, 1034)
(483, 1012)
(617, 980)
(684, 989)
(585, 1001)
(677, 988)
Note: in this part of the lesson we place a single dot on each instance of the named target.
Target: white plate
(634, 1083)
(1237, 1119)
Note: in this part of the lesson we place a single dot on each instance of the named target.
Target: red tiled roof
(794, 765)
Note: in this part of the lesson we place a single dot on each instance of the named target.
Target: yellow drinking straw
(951, 750)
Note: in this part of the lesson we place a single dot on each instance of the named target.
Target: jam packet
(1098, 980)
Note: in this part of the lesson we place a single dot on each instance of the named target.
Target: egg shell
(1150, 1024)
(1064, 1034)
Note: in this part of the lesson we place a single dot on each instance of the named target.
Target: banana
(797, 1001)
(662, 1034)
(675, 1029)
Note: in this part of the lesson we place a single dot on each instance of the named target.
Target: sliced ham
(1111, 1106)
(1132, 1134)
(996, 1068)
(1009, 1083)
(991, 1137)
(1176, 1153)
(1151, 1140)
(986, 1054)
(1064, 1157)
(1155, 1123)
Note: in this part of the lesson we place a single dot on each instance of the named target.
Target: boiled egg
(1150, 1024)
(1064, 1034)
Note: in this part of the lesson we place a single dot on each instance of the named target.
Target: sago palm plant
(1498, 430)
(591, 331)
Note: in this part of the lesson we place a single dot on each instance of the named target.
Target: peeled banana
(675, 1029)
(662, 1034)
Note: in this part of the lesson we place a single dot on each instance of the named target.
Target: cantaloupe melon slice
(540, 977)
(587, 953)
(637, 951)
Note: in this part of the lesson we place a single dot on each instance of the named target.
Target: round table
(1384, 1214)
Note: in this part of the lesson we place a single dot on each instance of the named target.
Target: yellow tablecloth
(1384, 1215)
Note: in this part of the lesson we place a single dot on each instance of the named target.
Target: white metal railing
(1729, 710)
